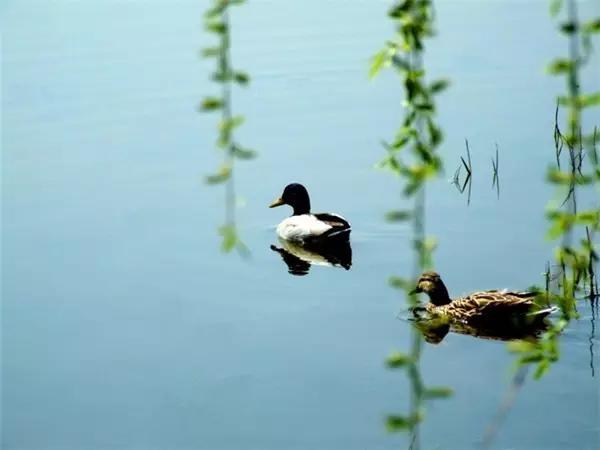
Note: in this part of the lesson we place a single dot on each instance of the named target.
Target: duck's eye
(428, 285)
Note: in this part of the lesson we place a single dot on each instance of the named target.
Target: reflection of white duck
(299, 258)
(303, 253)
(305, 227)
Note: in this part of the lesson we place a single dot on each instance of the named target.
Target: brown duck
(492, 309)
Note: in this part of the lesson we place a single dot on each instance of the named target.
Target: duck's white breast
(299, 228)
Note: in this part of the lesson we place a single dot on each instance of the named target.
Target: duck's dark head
(296, 196)
(431, 284)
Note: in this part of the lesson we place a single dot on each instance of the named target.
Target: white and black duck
(306, 227)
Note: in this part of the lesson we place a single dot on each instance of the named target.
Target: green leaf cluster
(542, 352)
(412, 155)
(397, 422)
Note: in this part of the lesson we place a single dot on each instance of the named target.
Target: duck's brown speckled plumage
(486, 303)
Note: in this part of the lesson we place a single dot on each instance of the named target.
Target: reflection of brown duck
(299, 258)
(495, 311)
(435, 329)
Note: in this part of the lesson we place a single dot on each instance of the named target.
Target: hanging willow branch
(217, 22)
(411, 155)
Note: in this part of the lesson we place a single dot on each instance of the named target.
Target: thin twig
(558, 137)
(507, 403)
(592, 338)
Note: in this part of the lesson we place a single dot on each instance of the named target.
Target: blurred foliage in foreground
(217, 22)
(576, 255)
(411, 155)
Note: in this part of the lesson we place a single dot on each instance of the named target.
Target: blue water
(125, 327)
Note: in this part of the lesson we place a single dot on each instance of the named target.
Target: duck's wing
(488, 303)
(506, 294)
(334, 220)
(339, 225)
(536, 309)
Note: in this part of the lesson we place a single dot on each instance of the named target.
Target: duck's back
(307, 227)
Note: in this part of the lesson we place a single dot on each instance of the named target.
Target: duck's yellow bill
(277, 202)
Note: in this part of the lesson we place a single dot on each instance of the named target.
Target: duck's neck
(439, 295)
(301, 206)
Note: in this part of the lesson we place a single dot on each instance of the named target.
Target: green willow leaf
(559, 66)
(531, 358)
(221, 176)
(221, 76)
(557, 229)
(398, 216)
(439, 86)
(411, 188)
(226, 125)
(400, 63)
(378, 61)
(397, 359)
(401, 283)
(424, 107)
(216, 27)
(241, 78)
(588, 100)
(557, 176)
(243, 153)
(216, 10)
(435, 133)
(555, 7)
(593, 26)
(230, 239)
(399, 11)
(437, 392)
(210, 52)
(211, 104)
(521, 346)
(590, 217)
(401, 423)
(541, 369)
(581, 101)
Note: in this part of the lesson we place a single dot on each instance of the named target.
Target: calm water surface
(124, 327)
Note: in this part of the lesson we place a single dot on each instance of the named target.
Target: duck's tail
(543, 312)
